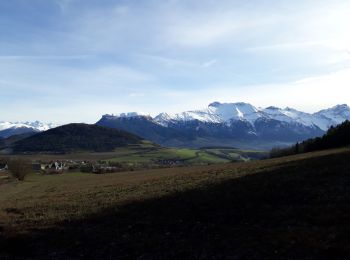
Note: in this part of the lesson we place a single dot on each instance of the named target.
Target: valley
(145, 156)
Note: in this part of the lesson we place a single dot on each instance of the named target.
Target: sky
(74, 60)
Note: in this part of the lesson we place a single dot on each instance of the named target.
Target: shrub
(87, 168)
(19, 168)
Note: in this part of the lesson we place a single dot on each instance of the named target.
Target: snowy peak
(341, 107)
(227, 113)
(289, 115)
(336, 111)
(215, 113)
(36, 125)
(334, 115)
(235, 111)
(164, 119)
(200, 115)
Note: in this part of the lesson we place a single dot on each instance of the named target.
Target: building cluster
(60, 166)
(3, 166)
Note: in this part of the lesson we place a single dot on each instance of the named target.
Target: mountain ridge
(8, 129)
(217, 112)
(240, 124)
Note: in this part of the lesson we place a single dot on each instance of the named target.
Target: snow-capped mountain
(215, 113)
(9, 128)
(230, 112)
(333, 116)
(230, 124)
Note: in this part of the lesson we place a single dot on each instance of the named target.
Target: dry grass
(224, 202)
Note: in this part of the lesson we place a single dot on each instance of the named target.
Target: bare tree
(19, 168)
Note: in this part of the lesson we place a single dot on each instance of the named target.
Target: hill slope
(338, 136)
(288, 208)
(76, 137)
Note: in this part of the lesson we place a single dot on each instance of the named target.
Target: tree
(19, 168)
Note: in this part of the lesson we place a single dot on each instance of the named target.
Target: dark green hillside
(338, 136)
(76, 137)
(16, 131)
(5, 142)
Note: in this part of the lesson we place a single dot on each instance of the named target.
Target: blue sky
(74, 60)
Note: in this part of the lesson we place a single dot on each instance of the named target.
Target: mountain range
(240, 125)
(8, 129)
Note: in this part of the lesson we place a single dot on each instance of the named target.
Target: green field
(288, 208)
(148, 155)
(134, 155)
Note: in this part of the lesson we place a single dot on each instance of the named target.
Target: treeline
(335, 137)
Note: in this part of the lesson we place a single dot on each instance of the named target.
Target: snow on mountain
(235, 111)
(41, 126)
(7, 125)
(323, 119)
(201, 115)
(290, 115)
(229, 112)
(239, 125)
(36, 126)
(164, 119)
(333, 116)
(215, 113)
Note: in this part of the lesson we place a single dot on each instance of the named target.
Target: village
(65, 166)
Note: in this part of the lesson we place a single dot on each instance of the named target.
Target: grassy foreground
(293, 207)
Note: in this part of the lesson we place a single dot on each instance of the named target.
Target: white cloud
(171, 62)
(193, 52)
(308, 94)
(288, 46)
(198, 33)
(209, 63)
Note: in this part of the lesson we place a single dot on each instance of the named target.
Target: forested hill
(76, 137)
(335, 137)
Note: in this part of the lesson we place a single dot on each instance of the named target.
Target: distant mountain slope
(8, 129)
(145, 127)
(76, 137)
(239, 125)
(17, 131)
(5, 142)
